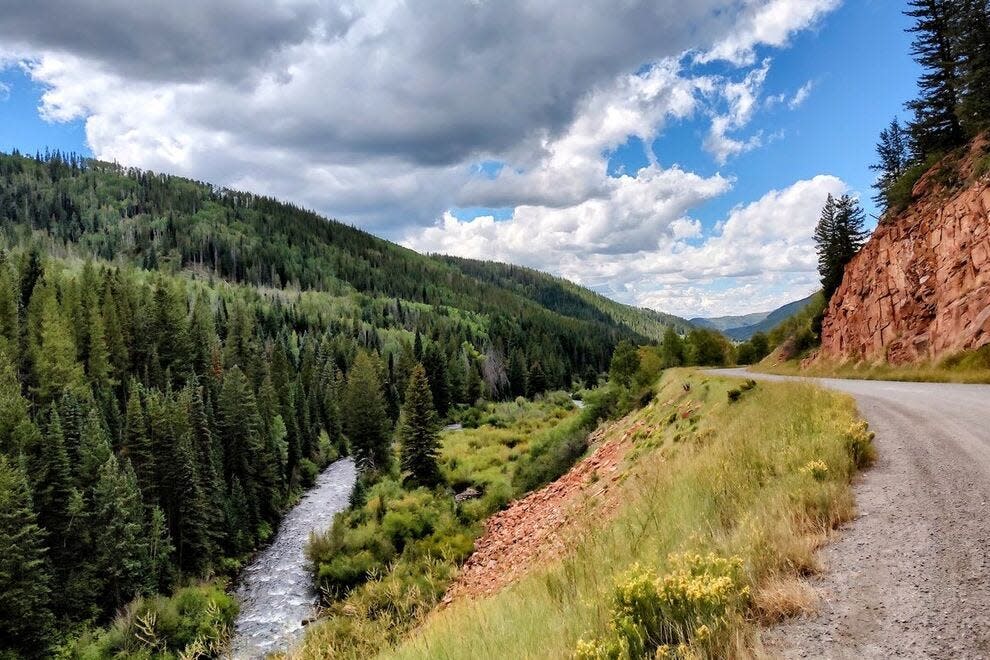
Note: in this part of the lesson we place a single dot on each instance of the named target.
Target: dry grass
(783, 597)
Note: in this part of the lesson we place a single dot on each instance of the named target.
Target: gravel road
(910, 576)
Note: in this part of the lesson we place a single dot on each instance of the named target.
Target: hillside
(178, 362)
(167, 223)
(919, 290)
(743, 327)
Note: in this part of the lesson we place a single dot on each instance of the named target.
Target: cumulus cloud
(638, 245)
(378, 112)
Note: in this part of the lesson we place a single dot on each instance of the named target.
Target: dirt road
(910, 576)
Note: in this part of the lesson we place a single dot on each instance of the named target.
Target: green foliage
(195, 621)
(364, 416)
(838, 237)
(418, 432)
(25, 614)
(625, 362)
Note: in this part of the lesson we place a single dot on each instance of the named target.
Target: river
(276, 590)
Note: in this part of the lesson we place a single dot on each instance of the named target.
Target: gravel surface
(909, 577)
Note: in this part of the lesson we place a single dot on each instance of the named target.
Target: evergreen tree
(974, 64)
(435, 363)
(935, 127)
(839, 235)
(364, 415)
(419, 432)
(894, 158)
(518, 374)
(121, 544)
(57, 368)
(10, 333)
(25, 617)
(537, 379)
(13, 407)
(137, 445)
(98, 366)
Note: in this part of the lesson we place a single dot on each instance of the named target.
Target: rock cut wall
(920, 288)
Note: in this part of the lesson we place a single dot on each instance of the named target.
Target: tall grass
(756, 484)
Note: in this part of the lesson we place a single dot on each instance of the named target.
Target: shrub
(859, 444)
(680, 613)
(195, 621)
(734, 394)
(307, 472)
(817, 469)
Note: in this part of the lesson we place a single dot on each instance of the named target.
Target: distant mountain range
(745, 326)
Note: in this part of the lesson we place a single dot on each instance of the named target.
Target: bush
(551, 458)
(687, 610)
(308, 472)
(195, 621)
(734, 394)
(859, 444)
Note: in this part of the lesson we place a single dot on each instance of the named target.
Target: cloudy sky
(667, 153)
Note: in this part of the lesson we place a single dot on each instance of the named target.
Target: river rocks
(920, 288)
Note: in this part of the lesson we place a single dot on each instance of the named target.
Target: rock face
(920, 288)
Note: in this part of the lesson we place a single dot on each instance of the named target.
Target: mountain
(919, 289)
(743, 327)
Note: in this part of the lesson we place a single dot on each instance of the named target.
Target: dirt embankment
(538, 527)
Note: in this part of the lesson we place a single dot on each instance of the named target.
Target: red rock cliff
(920, 288)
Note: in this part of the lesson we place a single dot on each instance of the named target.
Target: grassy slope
(705, 475)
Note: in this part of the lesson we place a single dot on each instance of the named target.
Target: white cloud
(378, 112)
(771, 23)
(634, 245)
(4, 91)
(801, 95)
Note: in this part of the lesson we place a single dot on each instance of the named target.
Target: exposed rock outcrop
(920, 288)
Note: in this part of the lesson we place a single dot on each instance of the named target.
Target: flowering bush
(859, 444)
(673, 615)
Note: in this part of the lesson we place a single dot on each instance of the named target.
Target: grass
(726, 500)
(964, 367)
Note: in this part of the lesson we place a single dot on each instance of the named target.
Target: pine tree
(625, 362)
(435, 363)
(973, 29)
(935, 127)
(419, 432)
(518, 373)
(364, 415)
(838, 236)
(94, 451)
(137, 445)
(121, 545)
(10, 332)
(98, 356)
(239, 426)
(13, 406)
(57, 368)
(538, 382)
(894, 158)
(25, 618)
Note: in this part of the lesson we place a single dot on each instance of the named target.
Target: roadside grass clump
(730, 490)
(194, 622)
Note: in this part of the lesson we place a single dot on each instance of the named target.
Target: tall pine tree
(419, 432)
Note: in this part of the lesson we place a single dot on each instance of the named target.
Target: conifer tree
(364, 415)
(973, 29)
(121, 545)
(57, 369)
(538, 382)
(419, 432)
(98, 356)
(9, 315)
(518, 374)
(935, 127)
(25, 617)
(435, 364)
(838, 236)
(13, 406)
(894, 158)
(137, 444)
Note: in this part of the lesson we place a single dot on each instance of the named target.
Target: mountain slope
(743, 327)
(154, 221)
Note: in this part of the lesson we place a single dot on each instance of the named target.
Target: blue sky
(443, 159)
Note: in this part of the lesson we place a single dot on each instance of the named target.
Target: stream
(276, 590)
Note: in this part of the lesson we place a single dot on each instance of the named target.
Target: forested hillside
(177, 363)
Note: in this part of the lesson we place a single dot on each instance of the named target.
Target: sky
(667, 154)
